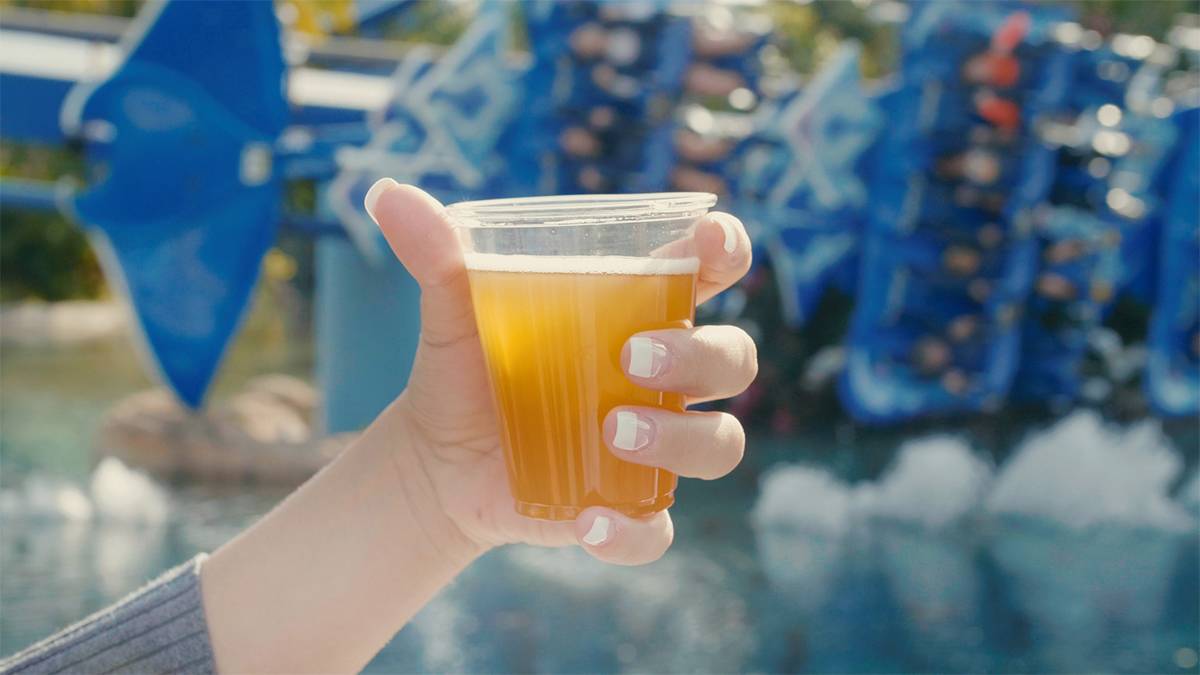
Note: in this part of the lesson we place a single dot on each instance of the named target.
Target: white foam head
(581, 264)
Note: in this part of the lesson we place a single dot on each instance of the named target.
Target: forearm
(326, 579)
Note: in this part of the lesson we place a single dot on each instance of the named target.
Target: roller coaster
(986, 205)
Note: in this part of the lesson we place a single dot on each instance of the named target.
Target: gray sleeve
(158, 629)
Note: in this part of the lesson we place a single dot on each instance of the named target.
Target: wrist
(398, 451)
(327, 578)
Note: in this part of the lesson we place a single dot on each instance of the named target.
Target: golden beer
(552, 329)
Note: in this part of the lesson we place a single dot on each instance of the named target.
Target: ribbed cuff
(160, 628)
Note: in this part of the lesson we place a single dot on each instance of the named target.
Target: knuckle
(692, 434)
(711, 356)
(692, 351)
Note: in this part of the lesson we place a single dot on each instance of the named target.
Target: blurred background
(974, 438)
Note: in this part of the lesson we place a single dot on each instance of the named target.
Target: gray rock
(262, 434)
(293, 392)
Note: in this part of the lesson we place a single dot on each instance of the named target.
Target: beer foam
(580, 264)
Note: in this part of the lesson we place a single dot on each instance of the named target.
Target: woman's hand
(325, 579)
(447, 438)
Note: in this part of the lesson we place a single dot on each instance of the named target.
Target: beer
(559, 284)
(552, 329)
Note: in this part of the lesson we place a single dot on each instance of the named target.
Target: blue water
(825, 552)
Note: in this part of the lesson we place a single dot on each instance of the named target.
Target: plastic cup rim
(579, 210)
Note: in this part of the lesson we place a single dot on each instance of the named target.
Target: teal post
(367, 328)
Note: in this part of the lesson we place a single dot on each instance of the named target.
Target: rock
(262, 434)
(123, 495)
(264, 418)
(290, 391)
(59, 323)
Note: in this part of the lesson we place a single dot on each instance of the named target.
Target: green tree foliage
(42, 255)
(807, 33)
(111, 7)
(1147, 17)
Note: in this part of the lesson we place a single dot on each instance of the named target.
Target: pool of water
(1017, 546)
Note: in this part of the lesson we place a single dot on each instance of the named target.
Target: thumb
(421, 235)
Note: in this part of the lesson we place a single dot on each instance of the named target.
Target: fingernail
(634, 432)
(381, 186)
(647, 357)
(599, 532)
(729, 227)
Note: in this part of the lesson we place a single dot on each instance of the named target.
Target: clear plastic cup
(559, 284)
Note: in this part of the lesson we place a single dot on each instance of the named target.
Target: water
(1031, 549)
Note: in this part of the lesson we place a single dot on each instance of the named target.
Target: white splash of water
(116, 494)
(1189, 495)
(934, 482)
(45, 497)
(440, 626)
(570, 567)
(124, 555)
(124, 495)
(802, 525)
(802, 497)
(1080, 473)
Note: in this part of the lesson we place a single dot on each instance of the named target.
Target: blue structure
(1173, 368)
(986, 206)
(1095, 238)
(438, 130)
(189, 161)
(797, 181)
(184, 199)
(603, 84)
(948, 258)
(1096, 231)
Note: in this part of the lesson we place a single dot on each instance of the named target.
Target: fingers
(724, 251)
(616, 538)
(420, 234)
(706, 363)
(704, 445)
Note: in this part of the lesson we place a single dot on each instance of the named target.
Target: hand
(448, 437)
(325, 579)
